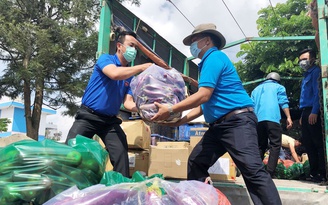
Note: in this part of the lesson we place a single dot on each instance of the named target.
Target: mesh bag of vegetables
(281, 171)
(157, 84)
(32, 171)
(294, 171)
(289, 170)
(306, 168)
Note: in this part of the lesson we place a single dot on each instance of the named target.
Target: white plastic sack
(154, 191)
(157, 84)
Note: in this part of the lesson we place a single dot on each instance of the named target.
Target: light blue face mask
(194, 50)
(130, 53)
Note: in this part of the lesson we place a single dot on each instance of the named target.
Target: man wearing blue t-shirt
(268, 98)
(108, 88)
(229, 111)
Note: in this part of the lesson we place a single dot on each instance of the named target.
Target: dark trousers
(271, 131)
(110, 132)
(312, 139)
(238, 136)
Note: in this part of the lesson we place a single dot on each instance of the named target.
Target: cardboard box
(194, 140)
(169, 159)
(137, 133)
(138, 161)
(223, 169)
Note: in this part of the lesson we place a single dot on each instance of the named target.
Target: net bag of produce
(289, 170)
(157, 84)
(294, 171)
(155, 191)
(306, 168)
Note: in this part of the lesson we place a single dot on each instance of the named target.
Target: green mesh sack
(294, 171)
(281, 171)
(306, 168)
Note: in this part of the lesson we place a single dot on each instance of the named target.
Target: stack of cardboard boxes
(138, 138)
(169, 158)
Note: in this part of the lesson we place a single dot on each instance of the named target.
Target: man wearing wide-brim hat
(228, 109)
(210, 30)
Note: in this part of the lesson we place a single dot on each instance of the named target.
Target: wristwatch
(171, 110)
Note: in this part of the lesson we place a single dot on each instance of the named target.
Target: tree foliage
(4, 124)
(49, 47)
(135, 2)
(260, 58)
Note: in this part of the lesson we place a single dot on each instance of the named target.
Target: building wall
(15, 112)
(42, 128)
(19, 124)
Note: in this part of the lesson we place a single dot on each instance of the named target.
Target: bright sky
(163, 17)
(166, 19)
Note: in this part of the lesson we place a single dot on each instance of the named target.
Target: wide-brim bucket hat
(206, 28)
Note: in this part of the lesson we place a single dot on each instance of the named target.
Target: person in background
(229, 111)
(108, 88)
(290, 143)
(269, 97)
(310, 121)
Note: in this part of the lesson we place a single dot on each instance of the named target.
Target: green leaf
(260, 58)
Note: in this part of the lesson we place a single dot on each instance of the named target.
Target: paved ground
(291, 192)
(4, 141)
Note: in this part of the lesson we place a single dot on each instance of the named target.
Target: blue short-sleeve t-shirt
(218, 72)
(268, 98)
(103, 94)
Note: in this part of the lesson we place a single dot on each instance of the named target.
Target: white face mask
(305, 64)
